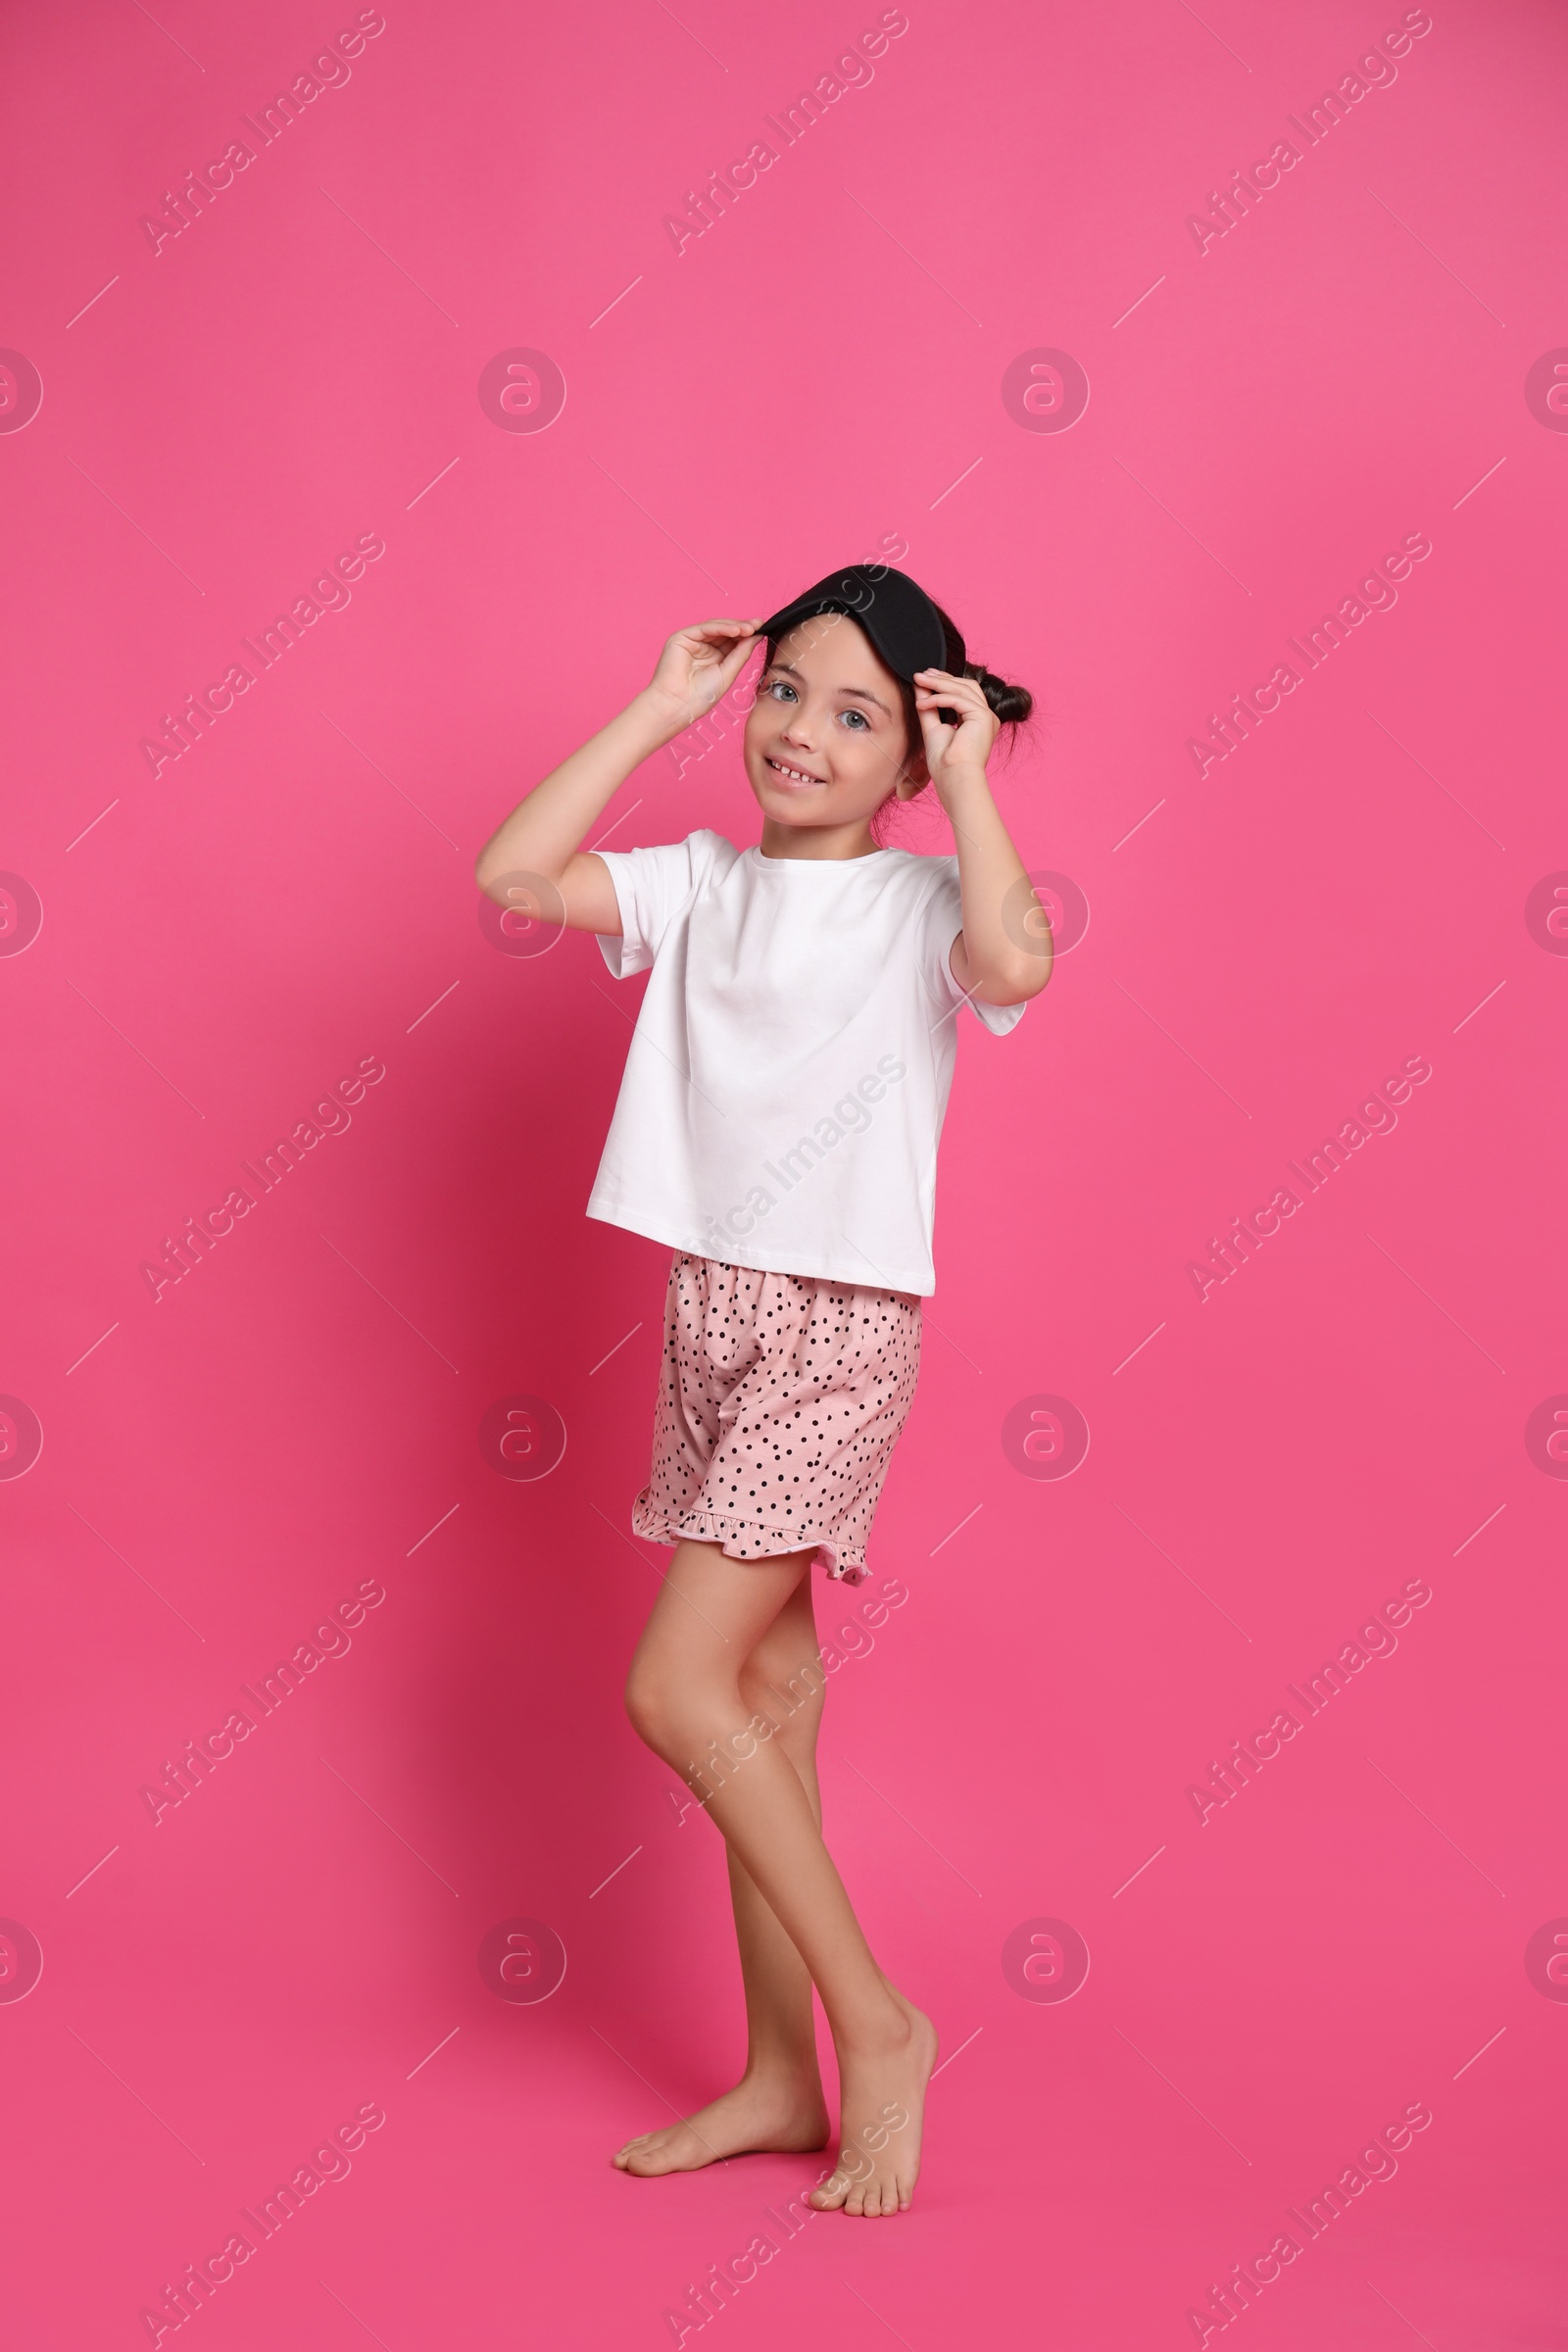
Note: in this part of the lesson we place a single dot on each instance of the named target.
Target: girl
(778, 1127)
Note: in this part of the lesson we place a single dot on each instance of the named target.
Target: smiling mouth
(792, 775)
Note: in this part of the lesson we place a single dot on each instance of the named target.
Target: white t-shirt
(787, 1082)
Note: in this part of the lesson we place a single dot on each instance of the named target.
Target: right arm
(538, 844)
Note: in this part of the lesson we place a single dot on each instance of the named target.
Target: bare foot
(882, 2104)
(762, 2112)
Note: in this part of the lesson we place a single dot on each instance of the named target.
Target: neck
(816, 841)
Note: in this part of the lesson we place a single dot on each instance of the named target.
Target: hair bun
(1011, 704)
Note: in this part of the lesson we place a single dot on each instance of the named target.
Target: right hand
(699, 665)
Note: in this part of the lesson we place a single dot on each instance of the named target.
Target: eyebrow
(861, 694)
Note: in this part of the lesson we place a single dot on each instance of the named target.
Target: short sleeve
(652, 885)
(941, 921)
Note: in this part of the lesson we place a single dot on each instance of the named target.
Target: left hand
(952, 754)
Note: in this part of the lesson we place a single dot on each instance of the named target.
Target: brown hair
(1010, 704)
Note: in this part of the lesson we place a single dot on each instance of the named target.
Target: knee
(649, 1706)
(768, 1716)
(671, 1712)
(793, 1704)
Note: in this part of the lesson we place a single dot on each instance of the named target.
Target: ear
(914, 776)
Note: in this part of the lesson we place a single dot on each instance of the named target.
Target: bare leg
(687, 1694)
(778, 2102)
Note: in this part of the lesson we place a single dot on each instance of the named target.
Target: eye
(779, 686)
(856, 720)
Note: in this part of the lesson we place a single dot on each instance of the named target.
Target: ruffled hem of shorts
(712, 1527)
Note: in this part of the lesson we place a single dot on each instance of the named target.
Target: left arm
(1004, 953)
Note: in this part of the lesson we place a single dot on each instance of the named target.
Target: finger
(721, 628)
(964, 693)
(736, 659)
(715, 677)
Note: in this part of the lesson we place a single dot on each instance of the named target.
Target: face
(826, 739)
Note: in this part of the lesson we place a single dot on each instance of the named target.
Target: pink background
(223, 941)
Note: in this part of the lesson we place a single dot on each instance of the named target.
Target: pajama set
(778, 1127)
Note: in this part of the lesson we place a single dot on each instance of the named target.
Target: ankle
(794, 2073)
(880, 2029)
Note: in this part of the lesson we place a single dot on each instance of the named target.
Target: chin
(793, 818)
(785, 807)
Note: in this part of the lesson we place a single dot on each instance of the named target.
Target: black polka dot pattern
(780, 1399)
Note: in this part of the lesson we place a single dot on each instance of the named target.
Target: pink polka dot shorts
(781, 1401)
